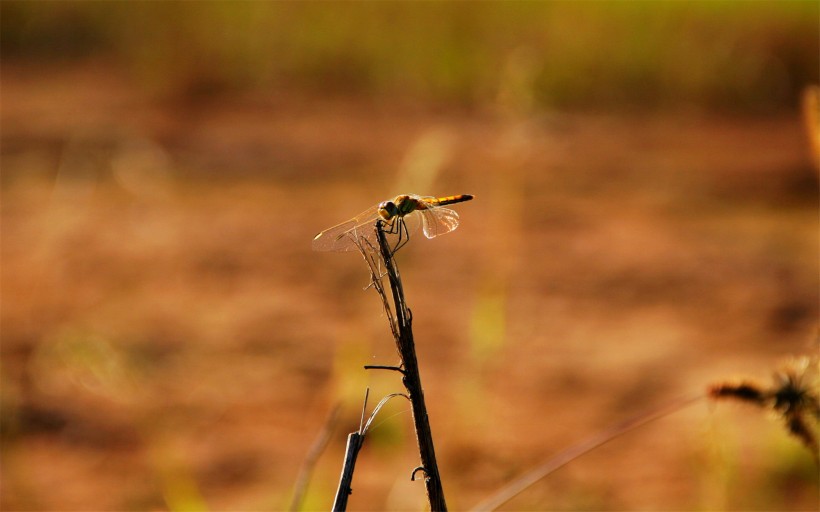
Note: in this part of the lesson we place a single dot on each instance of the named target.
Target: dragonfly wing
(438, 221)
(347, 235)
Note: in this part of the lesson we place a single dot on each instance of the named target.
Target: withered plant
(793, 397)
(380, 262)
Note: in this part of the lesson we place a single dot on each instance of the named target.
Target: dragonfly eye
(388, 210)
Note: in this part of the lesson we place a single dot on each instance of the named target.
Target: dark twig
(355, 440)
(354, 444)
(401, 326)
(521, 483)
(383, 367)
(316, 449)
(380, 262)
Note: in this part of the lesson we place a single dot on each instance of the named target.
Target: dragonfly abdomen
(442, 201)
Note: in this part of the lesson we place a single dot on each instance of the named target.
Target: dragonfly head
(388, 210)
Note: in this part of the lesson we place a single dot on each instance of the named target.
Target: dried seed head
(795, 388)
(794, 397)
(745, 391)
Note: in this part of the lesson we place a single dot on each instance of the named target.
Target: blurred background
(645, 224)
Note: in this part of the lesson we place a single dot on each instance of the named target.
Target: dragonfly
(359, 232)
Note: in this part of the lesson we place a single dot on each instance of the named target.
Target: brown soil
(169, 340)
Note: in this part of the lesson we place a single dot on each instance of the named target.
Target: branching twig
(380, 262)
(401, 326)
(355, 440)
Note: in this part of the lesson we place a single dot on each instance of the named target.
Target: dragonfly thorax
(399, 207)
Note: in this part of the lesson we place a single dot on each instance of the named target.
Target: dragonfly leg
(404, 235)
(393, 225)
(396, 226)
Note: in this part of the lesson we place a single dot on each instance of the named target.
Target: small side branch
(416, 470)
(383, 367)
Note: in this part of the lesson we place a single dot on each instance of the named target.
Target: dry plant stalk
(355, 440)
(380, 262)
(793, 396)
(354, 444)
(312, 457)
(523, 482)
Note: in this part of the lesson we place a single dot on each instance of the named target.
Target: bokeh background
(645, 224)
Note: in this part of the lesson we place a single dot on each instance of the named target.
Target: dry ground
(169, 340)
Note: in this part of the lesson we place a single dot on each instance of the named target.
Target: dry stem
(380, 262)
(319, 445)
(401, 326)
